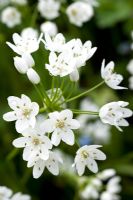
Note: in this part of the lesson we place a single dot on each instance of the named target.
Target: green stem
(12, 154)
(86, 92)
(84, 112)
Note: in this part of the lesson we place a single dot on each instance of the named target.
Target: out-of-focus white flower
(113, 185)
(61, 65)
(86, 156)
(19, 2)
(24, 65)
(106, 174)
(60, 125)
(91, 191)
(99, 132)
(130, 67)
(79, 12)
(29, 31)
(111, 79)
(52, 164)
(49, 8)
(36, 145)
(20, 196)
(24, 112)
(11, 17)
(92, 2)
(24, 45)
(131, 82)
(114, 113)
(5, 193)
(4, 3)
(109, 196)
(50, 28)
(81, 53)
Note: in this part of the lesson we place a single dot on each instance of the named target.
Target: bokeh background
(109, 30)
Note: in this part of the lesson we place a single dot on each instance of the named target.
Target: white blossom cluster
(7, 194)
(130, 68)
(40, 135)
(104, 186)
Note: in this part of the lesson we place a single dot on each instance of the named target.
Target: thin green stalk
(84, 112)
(86, 92)
(45, 94)
(40, 95)
(12, 154)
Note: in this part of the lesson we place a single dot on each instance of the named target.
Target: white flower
(109, 196)
(11, 17)
(24, 45)
(131, 82)
(52, 164)
(19, 2)
(24, 112)
(50, 28)
(29, 31)
(111, 79)
(79, 12)
(61, 65)
(86, 156)
(130, 67)
(20, 196)
(81, 53)
(114, 113)
(106, 174)
(49, 8)
(113, 185)
(60, 124)
(36, 145)
(5, 193)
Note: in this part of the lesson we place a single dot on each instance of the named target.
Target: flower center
(60, 124)
(85, 154)
(74, 12)
(26, 112)
(36, 141)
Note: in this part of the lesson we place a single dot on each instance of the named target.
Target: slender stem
(44, 93)
(38, 91)
(12, 154)
(85, 112)
(86, 92)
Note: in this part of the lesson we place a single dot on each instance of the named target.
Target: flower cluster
(7, 194)
(40, 134)
(104, 186)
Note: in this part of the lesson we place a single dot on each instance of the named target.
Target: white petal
(14, 102)
(10, 116)
(47, 126)
(74, 76)
(14, 48)
(21, 125)
(35, 108)
(66, 114)
(25, 99)
(92, 165)
(97, 154)
(74, 124)
(56, 138)
(38, 168)
(29, 60)
(80, 167)
(20, 142)
(26, 153)
(20, 65)
(68, 137)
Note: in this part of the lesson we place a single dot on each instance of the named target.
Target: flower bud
(33, 76)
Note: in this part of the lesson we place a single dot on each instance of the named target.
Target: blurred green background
(109, 30)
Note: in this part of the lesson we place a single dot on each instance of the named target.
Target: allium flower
(50, 28)
(60, 124)
(79, 12)
(86, 156)
(36, 145)
(20, 196)
(19, 2)
(5, 193)
(52, 164)
(81, 53)
(49, 8)
(114, 113)
(61, 65)
(24, 112)
(11, 17)
(29, 31)
(111, 79)
(24, 44)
